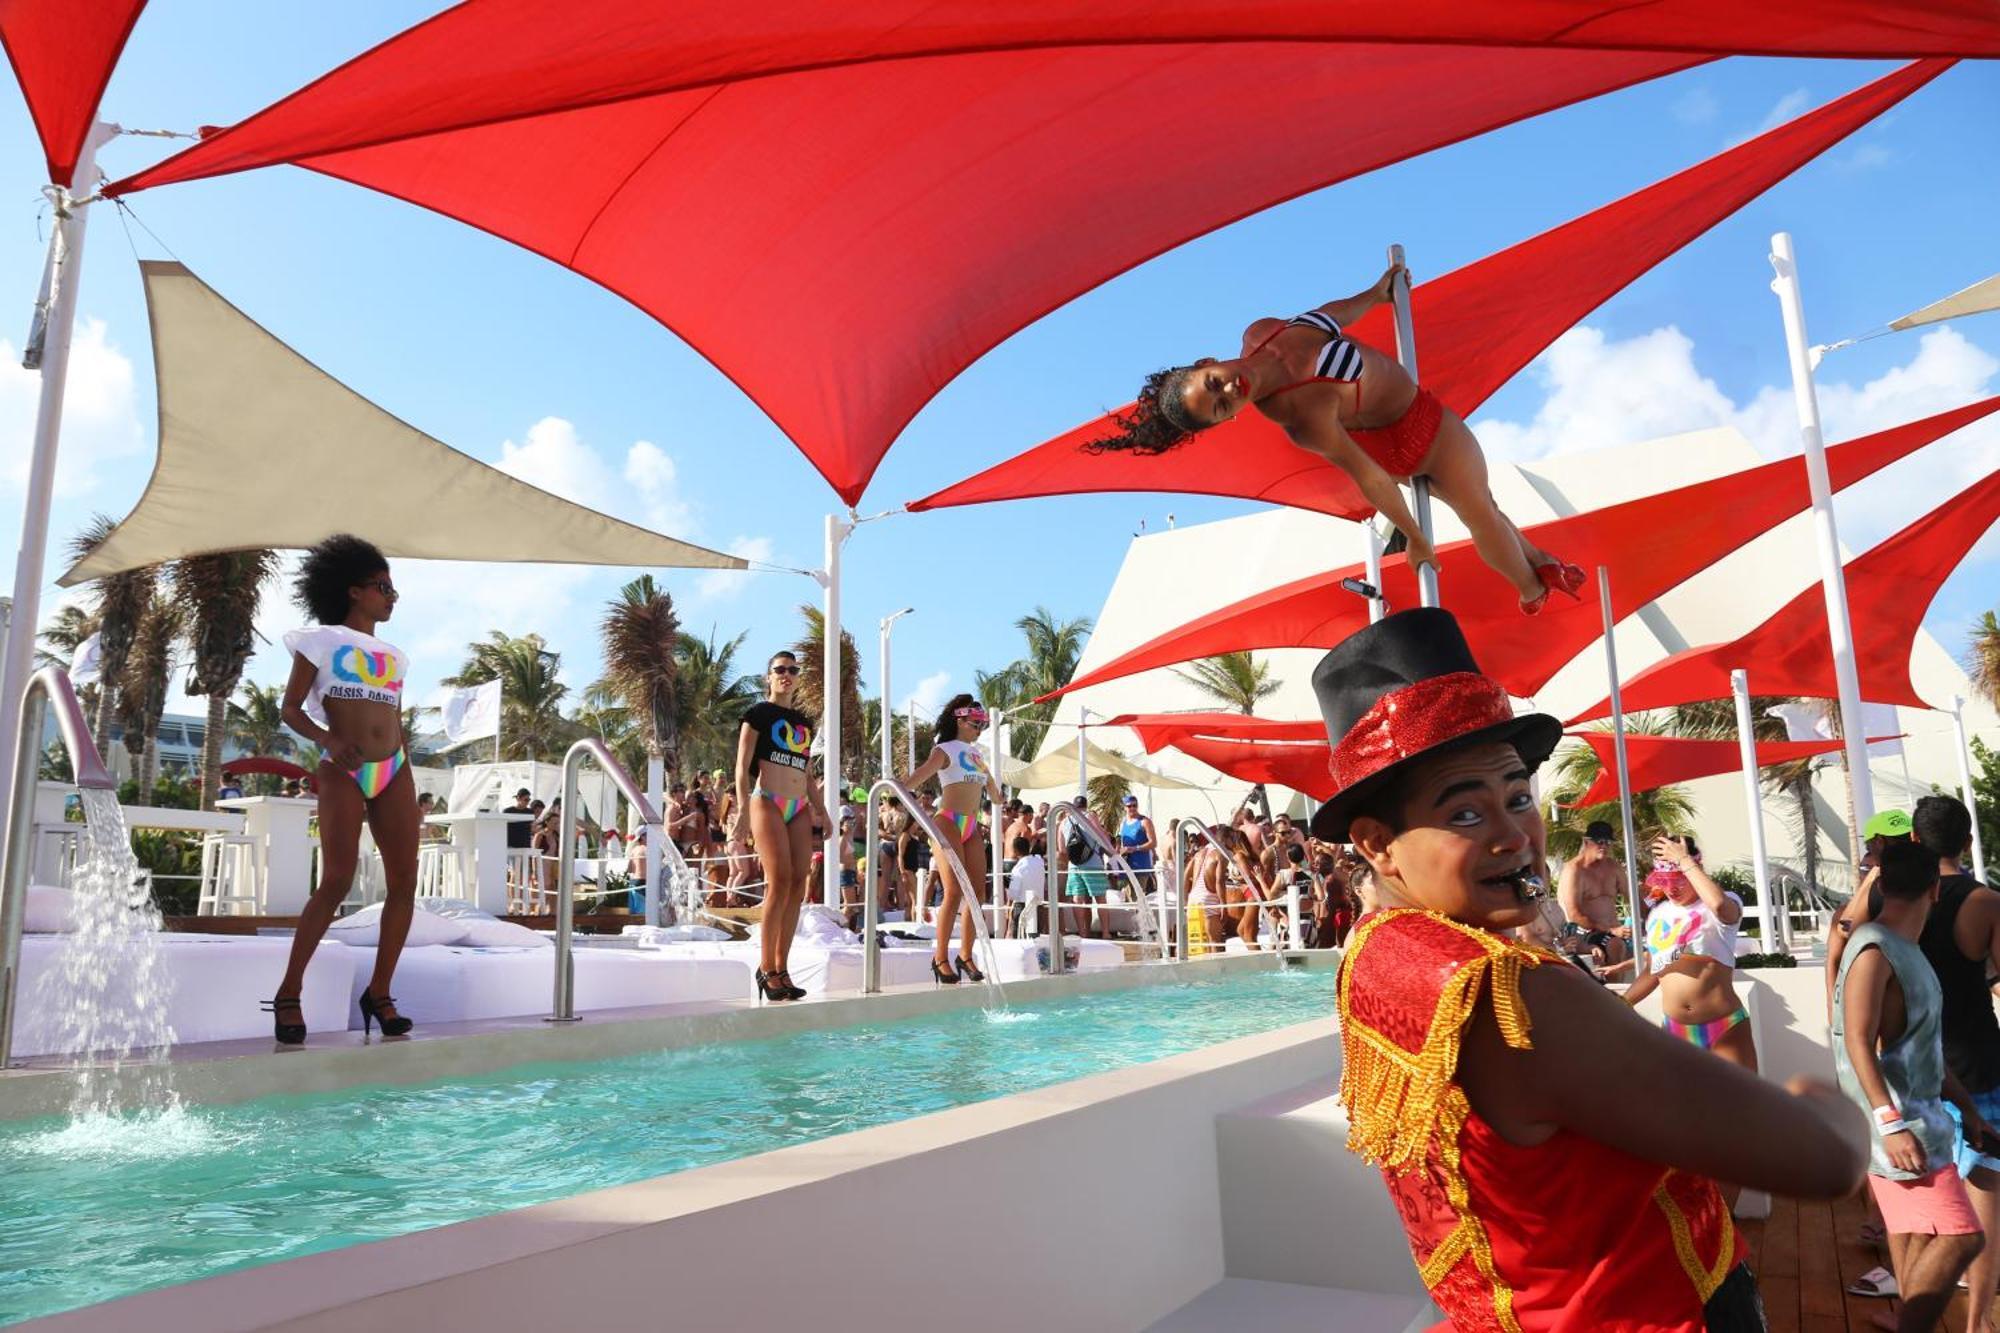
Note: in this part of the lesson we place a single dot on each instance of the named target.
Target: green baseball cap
(1887, 824)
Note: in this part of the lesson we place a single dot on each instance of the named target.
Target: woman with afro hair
(345, 695)
(1359, 410)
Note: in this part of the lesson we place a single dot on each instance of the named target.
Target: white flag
(471, 714)
(1880, 720)
(87, 666)
(1804, 720)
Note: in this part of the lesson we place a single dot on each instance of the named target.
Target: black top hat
(1403, 688)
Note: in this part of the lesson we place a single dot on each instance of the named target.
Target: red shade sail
(1889, 588)
(1477, 326)
(1658, 761)
(1158, 730)
(1652, 544)
(842, 240)
(63, 52)
(1300, 766)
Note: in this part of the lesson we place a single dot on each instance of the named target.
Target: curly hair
(1159, 421)
(946, 728)
(330, 571)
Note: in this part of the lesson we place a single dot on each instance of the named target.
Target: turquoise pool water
(90, 1211)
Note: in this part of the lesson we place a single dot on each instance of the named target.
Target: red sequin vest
(1569, 1235)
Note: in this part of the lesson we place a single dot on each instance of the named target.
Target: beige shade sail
(1974, 300)
(1057, 768)
(261, 448)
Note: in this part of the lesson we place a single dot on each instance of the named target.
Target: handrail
(47, 686)
(565, 970)
(1112, 852)
(871, 893)
(1292, 931)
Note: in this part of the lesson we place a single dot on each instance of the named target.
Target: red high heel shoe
(1563, 577)
(1534, 608)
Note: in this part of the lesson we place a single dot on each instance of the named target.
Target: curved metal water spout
(587, 748)
(48, 687)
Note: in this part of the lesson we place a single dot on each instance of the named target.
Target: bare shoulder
(1259, 330)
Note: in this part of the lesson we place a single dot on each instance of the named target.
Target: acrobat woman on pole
(1361, 411)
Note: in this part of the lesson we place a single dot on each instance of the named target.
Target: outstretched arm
(1350, 308)
(1599, 1070)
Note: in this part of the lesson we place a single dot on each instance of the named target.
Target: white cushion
(364, 928)
(51, 911)
(483, 930)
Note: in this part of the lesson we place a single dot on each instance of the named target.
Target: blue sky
(517, 361)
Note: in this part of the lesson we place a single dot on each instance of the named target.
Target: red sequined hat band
(1405, 723)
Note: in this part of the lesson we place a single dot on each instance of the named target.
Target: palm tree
(531, 695)
(68, 631)
(1053, 650)
(1107, 793)
(256, 727)
(1237, 681)
(642, 668)
(120, 602)
(810, 696)
(218, 595)
(714, 694)
(1984, 647)
(1665, 808)
(142, 688)
(604, 715)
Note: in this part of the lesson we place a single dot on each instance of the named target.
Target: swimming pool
(102, 1210)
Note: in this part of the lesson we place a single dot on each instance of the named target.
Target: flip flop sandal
(1874, 1282)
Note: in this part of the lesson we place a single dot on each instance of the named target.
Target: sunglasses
(383, 586)
(785, 670)
(976, 716)
(1601, 842)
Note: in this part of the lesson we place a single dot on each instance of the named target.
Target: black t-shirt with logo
(783, 736)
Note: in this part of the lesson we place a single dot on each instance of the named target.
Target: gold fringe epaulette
(1400, 1101)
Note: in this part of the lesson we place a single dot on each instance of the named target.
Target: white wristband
(1889, 1120)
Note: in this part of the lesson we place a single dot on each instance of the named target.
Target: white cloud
(929, 694)
(1785, 109)
(728, 582)
(1864, 157)
(655, 479)
(100, 412)
(642, 488)
(1602, 393)
(1696, 106)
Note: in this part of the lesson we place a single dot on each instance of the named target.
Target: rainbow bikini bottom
(1705, 1035)
(375, 776)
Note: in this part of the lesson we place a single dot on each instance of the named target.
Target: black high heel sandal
(965, 969)
(793, 991)
(770, 988)
(287, 1034)
(943, 975)
(392, 1025)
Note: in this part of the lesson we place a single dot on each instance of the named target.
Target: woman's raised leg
(1457, 470)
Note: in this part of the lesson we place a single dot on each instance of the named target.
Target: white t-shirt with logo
(351, 665)
(1674, 932)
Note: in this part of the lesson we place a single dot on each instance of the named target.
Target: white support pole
(1753, 795)
(1420, 487)
(1378, 605)
(888, 738)
(63, 279)
(1624, 774)
(997, 850)
(1082, 755)
(832, 790)
(1965, 791)
(656, 860)
(910, 737)
(1826, 537)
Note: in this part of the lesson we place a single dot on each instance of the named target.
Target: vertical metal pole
(1420, 487)
(910, 737)
(1378, 605)
(997, 832)
(1826, 537)
(1965, 789)
(565, 970)
(1055, 898)
(64, 278)
(829, 730)
(656, 861)
(23, 762)
(1082, 755)
(1624, 773)
(887, 740)
(871, 897)
(1753, 795)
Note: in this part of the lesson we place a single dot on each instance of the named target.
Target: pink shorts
(1937, 1205)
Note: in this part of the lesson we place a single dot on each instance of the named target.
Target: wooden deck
(1807, 1254)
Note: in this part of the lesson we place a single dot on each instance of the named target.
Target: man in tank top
(1888, 1053)
(1962, 941)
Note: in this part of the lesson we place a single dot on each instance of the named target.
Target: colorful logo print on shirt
(380, 671)
(970, 761)
(791, 739)
(1671, 934)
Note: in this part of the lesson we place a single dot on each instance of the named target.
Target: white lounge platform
(450, 983)
(219, 984)
(835, 969)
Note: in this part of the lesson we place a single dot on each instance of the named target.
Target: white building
(1169, 578)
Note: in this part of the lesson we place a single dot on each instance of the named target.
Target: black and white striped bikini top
(1338, 360)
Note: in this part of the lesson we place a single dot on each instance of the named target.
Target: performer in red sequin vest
(1552, 1155)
